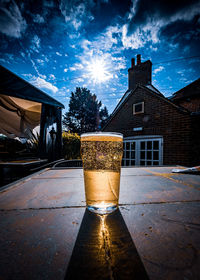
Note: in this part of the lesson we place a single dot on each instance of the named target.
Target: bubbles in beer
(104, 155)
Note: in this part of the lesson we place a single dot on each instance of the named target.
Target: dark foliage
(85, 113)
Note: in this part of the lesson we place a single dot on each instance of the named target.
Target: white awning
(18, 117)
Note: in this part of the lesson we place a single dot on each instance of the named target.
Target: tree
(103, 114)
(85, 113)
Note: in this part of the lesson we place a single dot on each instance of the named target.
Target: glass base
(102, 210)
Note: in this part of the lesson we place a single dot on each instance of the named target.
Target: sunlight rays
(98, 70)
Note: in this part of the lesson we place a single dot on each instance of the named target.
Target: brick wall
(192, 104)
(159, 118)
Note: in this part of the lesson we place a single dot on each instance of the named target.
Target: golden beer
(101, 155)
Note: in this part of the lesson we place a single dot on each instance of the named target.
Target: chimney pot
(132, 62)
(138, 59)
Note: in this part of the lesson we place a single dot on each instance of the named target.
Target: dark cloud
(11, 21)
(184, 33)
(157, 9)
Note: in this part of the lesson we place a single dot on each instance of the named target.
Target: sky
(60, 45)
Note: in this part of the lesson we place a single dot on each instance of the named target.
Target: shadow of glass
(104, 249)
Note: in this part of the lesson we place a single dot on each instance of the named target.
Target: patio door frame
(137, 140)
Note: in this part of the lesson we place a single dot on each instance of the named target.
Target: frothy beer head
(98, 136)
(101, 151)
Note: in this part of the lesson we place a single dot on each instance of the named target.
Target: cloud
(148, 19)
(12, 23)
(52, 77)
(38, 18)
(79, 80)
(167, 10)
(76, 12)
(40, 61)
(72, 68)
(159, 69)
(75, 67)
(42, 84)
(59, 54)
(35, 43)
(65, 70)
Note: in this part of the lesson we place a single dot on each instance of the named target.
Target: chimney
(132, 62)
(138, 59)
(139, 74)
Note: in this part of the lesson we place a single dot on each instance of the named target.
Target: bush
(71, 145)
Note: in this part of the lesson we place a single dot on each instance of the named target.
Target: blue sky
(61, 45)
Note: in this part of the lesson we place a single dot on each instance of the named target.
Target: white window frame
(140, 112)
(138, 140)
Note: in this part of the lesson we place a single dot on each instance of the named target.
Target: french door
(142, 152)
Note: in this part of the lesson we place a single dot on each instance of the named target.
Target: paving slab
(37, 244)
(44, 193)
(167, 237)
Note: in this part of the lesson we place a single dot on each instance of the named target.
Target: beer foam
(102, 136)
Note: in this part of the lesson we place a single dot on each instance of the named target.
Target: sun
(98, 70)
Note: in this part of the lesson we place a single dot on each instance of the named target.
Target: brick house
(157, 130)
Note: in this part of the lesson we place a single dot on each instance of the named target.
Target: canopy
(12, 85)
(18, 117)
(23, 107)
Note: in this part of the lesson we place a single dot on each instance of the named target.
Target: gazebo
(24, 107)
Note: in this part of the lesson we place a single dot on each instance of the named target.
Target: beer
(101, 155)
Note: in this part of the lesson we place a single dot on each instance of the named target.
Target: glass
(155, 155)
(142, 145)
(149, 155)
(132, 155)
(132, 145)
(149, 145)
(101, 154)
(155, 145)
(127, 154)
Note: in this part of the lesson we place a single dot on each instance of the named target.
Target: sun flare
(97, 69)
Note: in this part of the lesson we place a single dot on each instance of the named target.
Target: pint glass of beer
(101, 154)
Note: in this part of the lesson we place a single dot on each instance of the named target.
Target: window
(143, 151)
(138, 108)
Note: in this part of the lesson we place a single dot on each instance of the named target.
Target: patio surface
(47, 234)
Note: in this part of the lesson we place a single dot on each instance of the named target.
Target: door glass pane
(133, 155)
(142, 155)
(155, 145)
(149, 155)
(132, 145)
(127, 154)
(155, 155)
(149, 162)
(127, 145)
(155, 163)
(132, 162)
(142, 162)
(142, 145)
(149, 145)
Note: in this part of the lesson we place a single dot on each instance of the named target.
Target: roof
(128, 92)
(190, 90)
(149, 88)
(13, 85)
